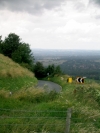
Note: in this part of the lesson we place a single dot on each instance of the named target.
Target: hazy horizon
(66, 49)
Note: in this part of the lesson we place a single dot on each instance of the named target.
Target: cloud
(94, 5)
(63, 23)
(79, 5)
(97, 2)
(30, 6)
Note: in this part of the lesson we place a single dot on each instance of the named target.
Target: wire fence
(83, 121)
(48, 121)
(27, 121)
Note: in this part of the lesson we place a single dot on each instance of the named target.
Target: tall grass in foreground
(84, 99)
(34, 110)
(30, 118)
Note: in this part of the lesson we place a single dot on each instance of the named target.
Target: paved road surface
(49, 86)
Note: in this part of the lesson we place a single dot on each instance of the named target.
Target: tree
(0, 44)
(23, 54)
(20, 52)
(58, 70)
(52, 70)
(10, 44)
(39, 70)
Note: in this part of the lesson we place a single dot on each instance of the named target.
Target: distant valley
(72, 62)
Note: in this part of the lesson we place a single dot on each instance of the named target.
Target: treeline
(41, 71)
(20, 52)
(82, 66)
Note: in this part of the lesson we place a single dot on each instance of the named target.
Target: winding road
(49, 86)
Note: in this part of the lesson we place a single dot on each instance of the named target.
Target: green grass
(30, 102)
(84, 99)
(10, 69)
(14, 84)
(30, 110)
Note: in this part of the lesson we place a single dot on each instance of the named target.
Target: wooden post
(68, 120)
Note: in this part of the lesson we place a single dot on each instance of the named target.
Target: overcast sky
(52, 24)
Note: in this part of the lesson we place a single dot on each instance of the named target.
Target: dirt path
(49, 86)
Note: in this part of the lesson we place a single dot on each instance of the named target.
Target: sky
(52, 24)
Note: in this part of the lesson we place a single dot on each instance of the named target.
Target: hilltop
(29, 109)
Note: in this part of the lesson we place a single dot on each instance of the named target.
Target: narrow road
(49, 86)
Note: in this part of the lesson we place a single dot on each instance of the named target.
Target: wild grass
(8, 68)
(84, 99)
(47, 112)
(14, 84)
(85, 110)
(31, 110)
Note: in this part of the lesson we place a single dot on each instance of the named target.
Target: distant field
(88, 66)
(50, 61)
(97, 60)
(85, 66)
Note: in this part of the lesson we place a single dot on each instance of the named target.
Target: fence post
(68, 120)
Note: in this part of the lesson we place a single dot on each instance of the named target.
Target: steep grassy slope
(13, 76)
(8, 68)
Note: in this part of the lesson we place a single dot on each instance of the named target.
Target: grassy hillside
(31, 110)
(8, 68)
(13, 76)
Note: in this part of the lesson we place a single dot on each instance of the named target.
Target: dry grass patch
(4, 93)
(28, 92)
(9, 68)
